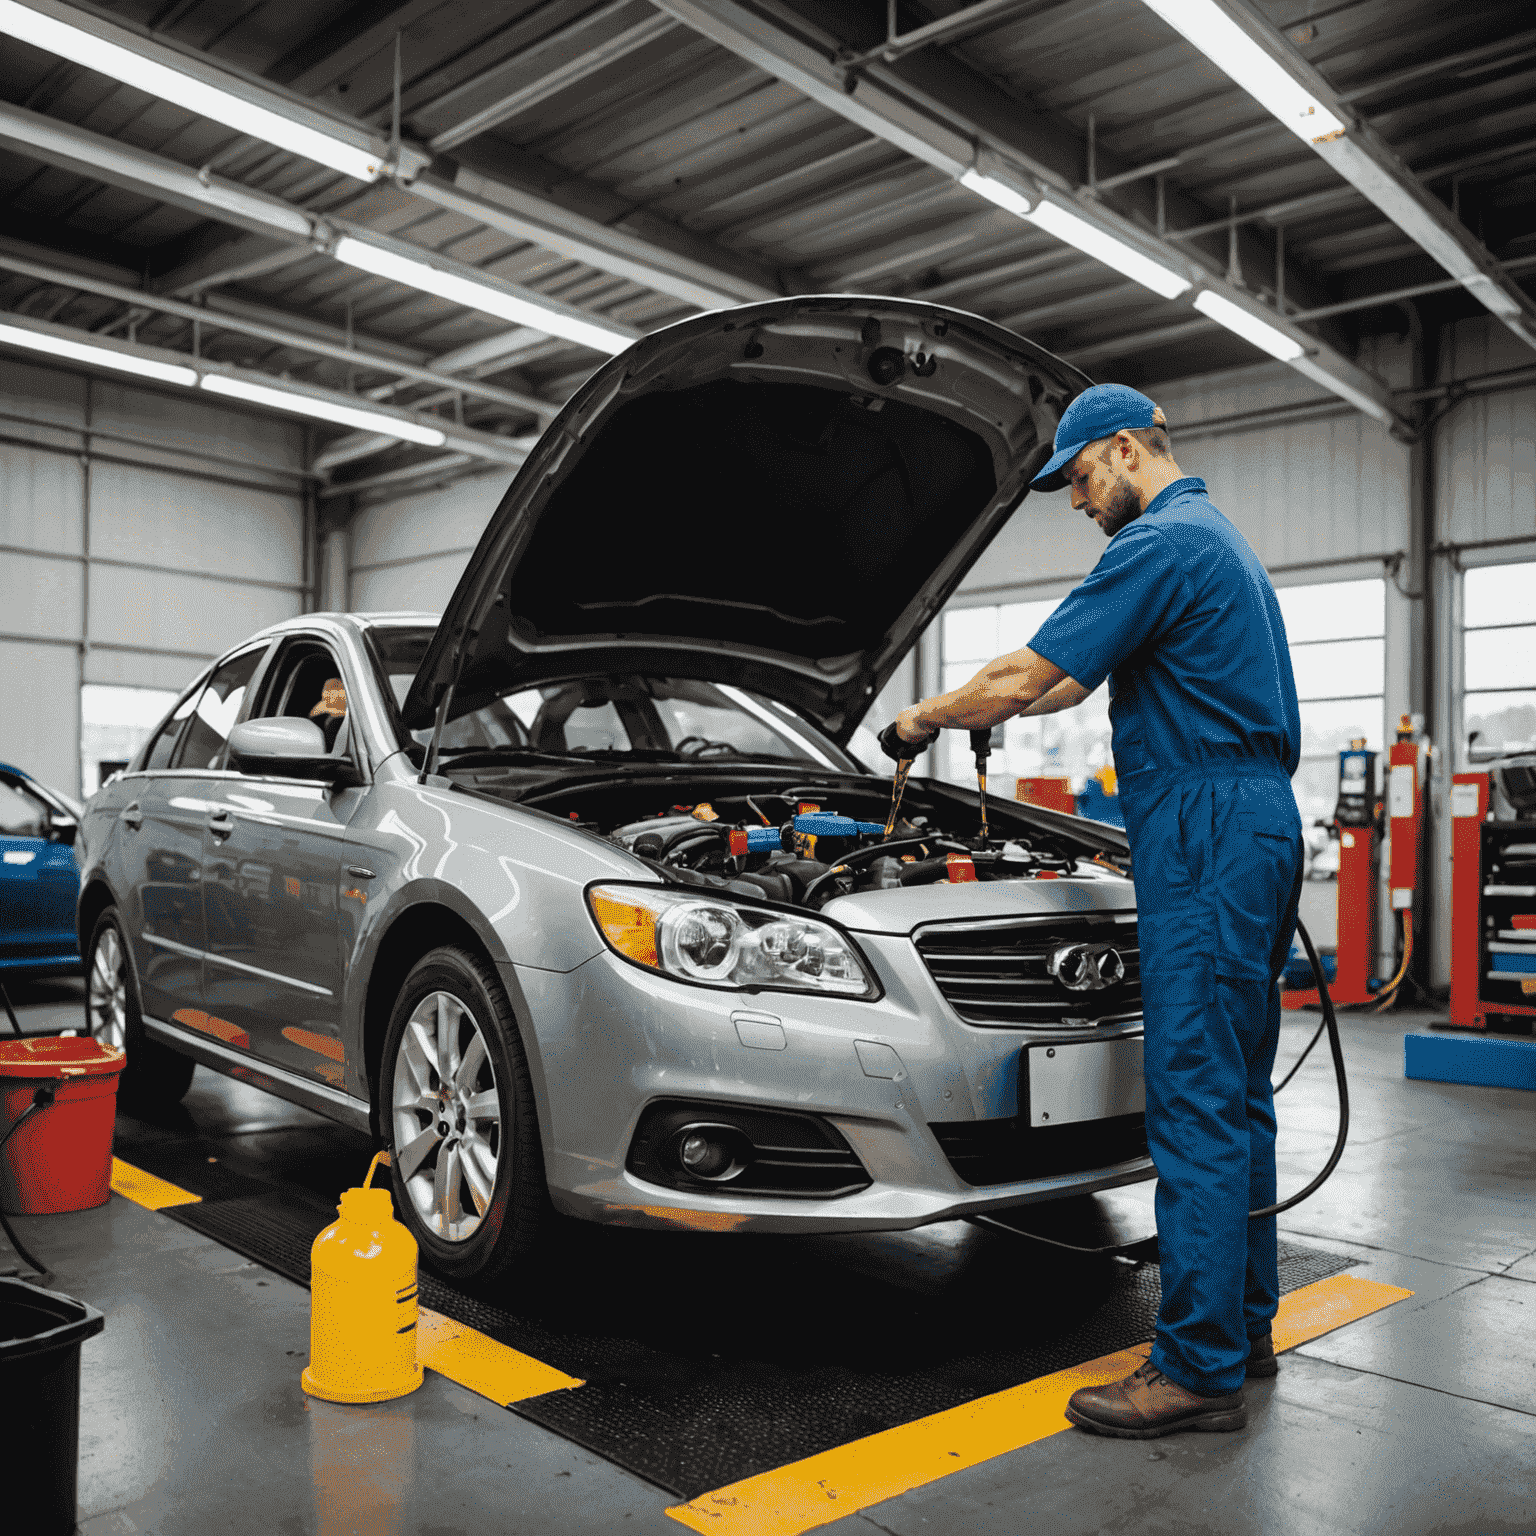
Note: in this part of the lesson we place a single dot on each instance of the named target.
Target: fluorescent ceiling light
(1237, 55)
(1095, 242)
(1241, 323)
(481, 296)
(325, 410)
(100, 357)
(184, 89)
(1488, 293)
(997, 192)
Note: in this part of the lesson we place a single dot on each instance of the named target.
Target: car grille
(1007, 1151)
(998, 972)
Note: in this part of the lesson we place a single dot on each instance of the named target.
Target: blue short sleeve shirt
(1182, 619)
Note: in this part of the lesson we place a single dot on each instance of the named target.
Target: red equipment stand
(1355, 959)
(1481, 908)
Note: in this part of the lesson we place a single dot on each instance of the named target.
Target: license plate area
(1086, 1080)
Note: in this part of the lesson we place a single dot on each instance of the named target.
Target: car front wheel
(154, 1076)
(456, 1093)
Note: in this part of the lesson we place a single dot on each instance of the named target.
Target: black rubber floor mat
(708, 1358)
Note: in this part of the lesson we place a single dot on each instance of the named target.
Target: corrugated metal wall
(140, 534)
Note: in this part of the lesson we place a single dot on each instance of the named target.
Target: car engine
(787, 848)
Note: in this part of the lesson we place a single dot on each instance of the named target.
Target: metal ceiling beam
(945, 135)
(104, 159)
(554, 64)
(483, 445)
(213, 319)
(1364, 159)
(231, 261)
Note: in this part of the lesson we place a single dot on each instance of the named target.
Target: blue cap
(825, 824)
(1097, 413)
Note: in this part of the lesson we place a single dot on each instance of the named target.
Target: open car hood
(779, 496)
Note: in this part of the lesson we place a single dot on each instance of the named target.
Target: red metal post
(1469, 808)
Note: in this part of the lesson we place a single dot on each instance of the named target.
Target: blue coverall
(1183, 620)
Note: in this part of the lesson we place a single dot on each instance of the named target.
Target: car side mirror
(61, 829)
(290, 748)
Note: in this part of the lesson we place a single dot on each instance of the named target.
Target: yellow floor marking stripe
(839, 1482)
(1328, 1304)
(146, 1190)
(481, 1364)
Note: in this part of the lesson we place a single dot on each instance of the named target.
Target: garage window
(1337, 632)
(1499, 656)
(113, 724)
(1072, 744)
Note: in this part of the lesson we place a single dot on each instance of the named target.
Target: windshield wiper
(462, 757)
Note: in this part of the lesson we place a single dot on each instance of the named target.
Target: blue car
(39, 879)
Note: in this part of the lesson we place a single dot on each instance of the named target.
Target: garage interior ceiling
(562, 174)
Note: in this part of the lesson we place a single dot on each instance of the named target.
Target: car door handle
(221, 823)
(132, 816)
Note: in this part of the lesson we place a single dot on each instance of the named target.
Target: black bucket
(40, 1337)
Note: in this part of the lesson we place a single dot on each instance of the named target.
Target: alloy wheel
(447, 1117)
(107, 991)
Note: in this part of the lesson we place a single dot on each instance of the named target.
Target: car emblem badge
(1087, 967)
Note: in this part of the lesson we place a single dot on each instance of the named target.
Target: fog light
(712, 1152)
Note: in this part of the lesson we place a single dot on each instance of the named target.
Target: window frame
(269, 676)
(220, 760)
(1464, 693)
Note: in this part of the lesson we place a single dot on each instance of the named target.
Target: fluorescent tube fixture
(1241, 323)
(1095, 242)
(481, 296)
(998, 192)
(325, 410)
(99, 357)
(1237, 55)
(185, 90)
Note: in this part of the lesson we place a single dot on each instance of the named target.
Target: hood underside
(779, 496)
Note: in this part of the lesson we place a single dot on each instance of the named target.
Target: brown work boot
(1146, 1404)
(1261, 1356)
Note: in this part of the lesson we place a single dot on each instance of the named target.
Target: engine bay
(797, 847)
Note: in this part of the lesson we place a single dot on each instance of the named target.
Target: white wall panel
(42, 394)
(175, 521)
(410, 553)
(1486, 453)
(40, 500)
(425, 583)
(40, 711)
(1302, 492)
(133, 669)
(39, 596)
(168, 611)
(184, 420)
(452, 518)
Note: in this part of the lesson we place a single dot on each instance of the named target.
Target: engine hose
(1331, 1024)
(1389, 992)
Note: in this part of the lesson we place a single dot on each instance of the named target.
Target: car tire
(456, 1100)
(155, 1076)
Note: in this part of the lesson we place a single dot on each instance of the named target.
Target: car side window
(21, 814)
(216, 710)
(159, 754)
(306, 683)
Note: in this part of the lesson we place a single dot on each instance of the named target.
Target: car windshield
(614, 716)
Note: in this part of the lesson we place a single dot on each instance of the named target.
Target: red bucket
(61, 1159)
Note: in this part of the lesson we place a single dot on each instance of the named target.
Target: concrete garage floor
(1418, 1418)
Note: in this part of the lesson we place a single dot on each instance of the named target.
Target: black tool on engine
(905, 753)
(981, 745)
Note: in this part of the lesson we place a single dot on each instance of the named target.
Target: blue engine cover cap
(825, 824)
(763, 840)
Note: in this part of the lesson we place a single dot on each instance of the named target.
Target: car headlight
(728, 944)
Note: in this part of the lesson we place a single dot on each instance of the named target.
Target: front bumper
(609, 1038)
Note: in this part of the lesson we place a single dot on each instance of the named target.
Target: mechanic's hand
(897, 746)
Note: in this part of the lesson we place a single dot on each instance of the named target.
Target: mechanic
(1182, 619)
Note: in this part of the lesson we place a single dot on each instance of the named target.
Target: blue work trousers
(1217, 863)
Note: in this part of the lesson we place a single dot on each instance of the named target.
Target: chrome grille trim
(994, 973)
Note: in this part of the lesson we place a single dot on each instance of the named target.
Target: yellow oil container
(362, 1302)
